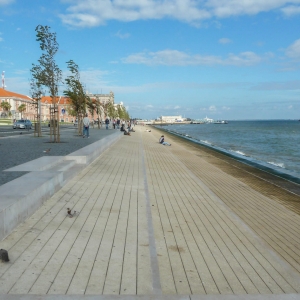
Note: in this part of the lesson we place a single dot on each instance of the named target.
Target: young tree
(6, 107)
(71, 111)
(21, 109)
(76, 93)
(126, 114)
(36, 94)
(98, 111)
(111, 110)
(120, 110)
(91, 106)
(47, 73)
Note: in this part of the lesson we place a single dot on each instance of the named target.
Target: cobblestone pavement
(16, 148)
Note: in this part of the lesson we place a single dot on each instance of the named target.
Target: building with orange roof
(15, 100)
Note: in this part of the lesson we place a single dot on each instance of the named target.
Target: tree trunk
(79, 129)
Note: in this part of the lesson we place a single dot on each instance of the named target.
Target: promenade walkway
(22, 147)
(155, 222)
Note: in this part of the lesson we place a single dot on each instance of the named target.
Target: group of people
(127, 128)
(117, 123)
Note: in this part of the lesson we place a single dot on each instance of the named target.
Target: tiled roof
(59, 100)
(8, 94)
(46, 99)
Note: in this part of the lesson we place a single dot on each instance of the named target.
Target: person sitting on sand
(162, 141)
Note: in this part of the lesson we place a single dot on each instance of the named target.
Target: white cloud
(293, 51)
(93, 80)
(174, 57)
(1, 39)
(290, 106)
(212, 108)
(176, 107)
(227, 8)
(226, 108)
(122, 35)
(291, 10)
(224, 41)
(97, 12)
(6, 2)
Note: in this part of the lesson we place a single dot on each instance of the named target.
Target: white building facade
(172, 119)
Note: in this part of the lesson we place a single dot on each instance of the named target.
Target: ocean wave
(239, 152)
(205, 142)
(280, 165)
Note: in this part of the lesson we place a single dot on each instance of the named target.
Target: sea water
(274, 144)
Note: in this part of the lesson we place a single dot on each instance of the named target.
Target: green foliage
(22, 108)
(35, 89)
(91, 106)
(46, 73)
(121, 112)
(110, 109)
(5, 106)
(71, 111)
(75, 90)
(126, 114)
(98, 107)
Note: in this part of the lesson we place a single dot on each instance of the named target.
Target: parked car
(22, 124)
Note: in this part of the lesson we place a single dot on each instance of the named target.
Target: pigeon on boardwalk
(47, 150)
(4, 255)
(70, 214)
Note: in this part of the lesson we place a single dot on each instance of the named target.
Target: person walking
(114, 123)
(118, 123)
(106, 122)
(86, 126)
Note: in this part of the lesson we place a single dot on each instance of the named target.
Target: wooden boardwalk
(155, 220)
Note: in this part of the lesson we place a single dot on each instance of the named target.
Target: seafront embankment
(279, 176)
(38, 179)
(158, 222)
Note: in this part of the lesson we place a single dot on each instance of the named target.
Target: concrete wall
(21, 197)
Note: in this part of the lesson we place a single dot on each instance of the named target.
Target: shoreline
(280, 189)
(274, 170)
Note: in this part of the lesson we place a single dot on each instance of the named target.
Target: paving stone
(17, 149)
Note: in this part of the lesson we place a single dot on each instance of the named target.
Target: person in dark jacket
(106, 122)
(162, 141)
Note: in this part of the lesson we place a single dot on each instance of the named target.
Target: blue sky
(225, 59)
